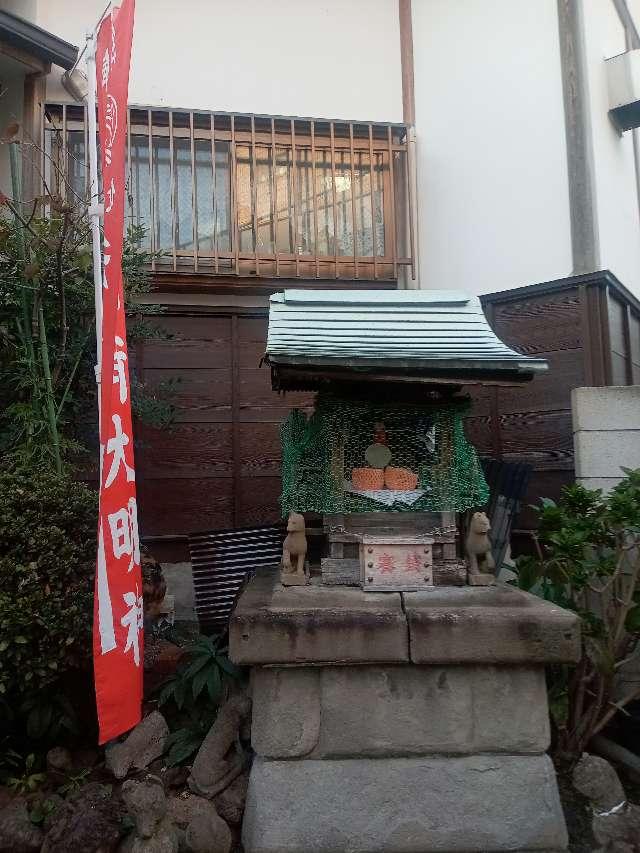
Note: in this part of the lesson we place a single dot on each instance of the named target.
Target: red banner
(117, 632)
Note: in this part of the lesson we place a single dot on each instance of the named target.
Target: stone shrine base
(400, 722)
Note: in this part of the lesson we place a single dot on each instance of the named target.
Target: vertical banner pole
(96, 209)
(118, 605)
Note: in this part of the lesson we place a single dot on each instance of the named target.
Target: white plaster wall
(615, 178)
(26, 9)
(492, 169)
(331, 59)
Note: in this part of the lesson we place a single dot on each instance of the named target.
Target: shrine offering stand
(400, 721)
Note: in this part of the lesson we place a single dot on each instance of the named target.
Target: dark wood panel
(259, 503)
(542, 439)
(543, 484)
(199, 395)
(617, 334)
(542, 324)
(481, 398)
(182, 506)
(478, 431)
(259, 446)
(634, 338)
(552, 390)
(187, 450)
(255, 392)
(253, 329)
(193, 342)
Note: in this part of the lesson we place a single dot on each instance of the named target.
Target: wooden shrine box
(344, 535)
(406, 354)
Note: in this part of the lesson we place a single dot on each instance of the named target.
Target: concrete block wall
(606, 433)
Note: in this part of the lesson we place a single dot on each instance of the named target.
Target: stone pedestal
(400, 722)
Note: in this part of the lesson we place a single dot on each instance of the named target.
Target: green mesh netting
(328, 464)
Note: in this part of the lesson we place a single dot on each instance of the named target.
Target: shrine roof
(423, 333)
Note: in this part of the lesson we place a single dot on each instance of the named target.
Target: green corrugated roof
(415, 329)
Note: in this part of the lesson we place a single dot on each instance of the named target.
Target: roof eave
(36, 41)
(419, 365)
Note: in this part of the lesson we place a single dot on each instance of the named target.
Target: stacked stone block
(429, 740)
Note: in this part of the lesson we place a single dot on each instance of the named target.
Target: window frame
(373, 142)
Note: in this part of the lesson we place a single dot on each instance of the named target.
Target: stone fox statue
(479, 545)
(294, 549)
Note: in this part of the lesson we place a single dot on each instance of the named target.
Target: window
(253, 195)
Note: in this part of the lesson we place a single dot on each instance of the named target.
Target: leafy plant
(192, 696)
(48, 535)
(183, 744)
(30, 780)
(42, 811)
(588, 561)
(47, 333)
(74, 782)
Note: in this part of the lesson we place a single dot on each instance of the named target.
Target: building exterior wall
(606, 434)
(329, 60)
(614, 160)
(11, 102)
(492, 169)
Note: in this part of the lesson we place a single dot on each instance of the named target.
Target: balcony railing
(249, 195)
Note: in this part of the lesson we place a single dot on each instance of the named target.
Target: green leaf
(231, 669)
(179, 694)
(632, 622)
(214, 684)
(183, 747)
(167, 692)
(199, 682)
(195, 666)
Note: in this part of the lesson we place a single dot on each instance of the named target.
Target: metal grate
(222, 561)
(237, 194)
(507, 483)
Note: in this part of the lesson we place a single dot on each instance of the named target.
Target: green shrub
(47, 557)
(588, 561)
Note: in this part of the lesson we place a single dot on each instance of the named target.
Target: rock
(182, 808)
(230, 803)
(480, 802)
(175, 777)
(219, 760)
(88, 821)
(17, 833)
(144, 744)
(208, 833)
(85, 759)
(50, 806)
(59, 759)
(616, 823)
(299, 711)
(154, 832)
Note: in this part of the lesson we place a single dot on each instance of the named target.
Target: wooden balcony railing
(249, 195)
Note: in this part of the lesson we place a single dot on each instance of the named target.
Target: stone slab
(604, 483)
(403, 805)
(316, 624)
(616, 407)
(603, 453)
(494, 625)
(481, 579)
(397, 710)
(286, 702)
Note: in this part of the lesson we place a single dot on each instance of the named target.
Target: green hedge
(47, 563)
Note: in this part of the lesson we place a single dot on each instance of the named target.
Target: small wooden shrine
(383, 457)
